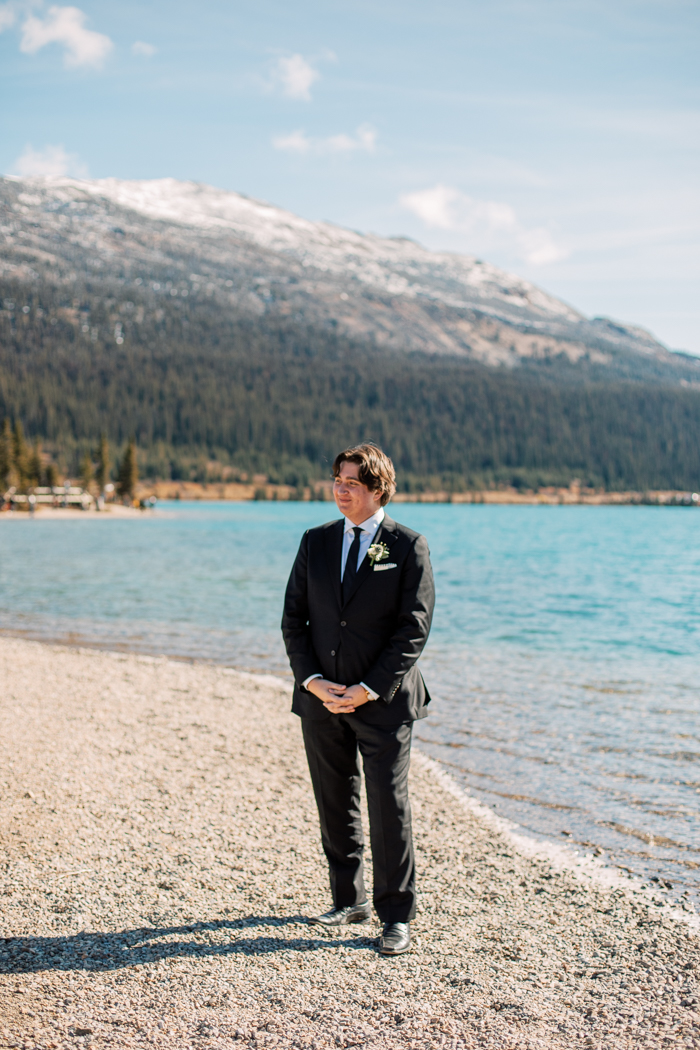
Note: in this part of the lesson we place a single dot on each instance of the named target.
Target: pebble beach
(160, 852)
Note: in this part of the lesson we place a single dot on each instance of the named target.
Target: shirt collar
(370, 525)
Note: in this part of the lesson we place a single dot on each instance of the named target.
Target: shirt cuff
(305, 683)
(370, 692)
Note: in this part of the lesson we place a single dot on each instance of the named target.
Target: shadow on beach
(113, 951)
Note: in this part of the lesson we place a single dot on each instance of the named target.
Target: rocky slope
(251, 258)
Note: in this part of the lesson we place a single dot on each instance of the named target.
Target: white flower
(378, 552)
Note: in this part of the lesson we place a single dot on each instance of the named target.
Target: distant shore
(112, 510)
(162, 852)
(262, 490)
(236, 492)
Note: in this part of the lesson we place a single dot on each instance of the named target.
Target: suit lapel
(334, 546)
(385, 534)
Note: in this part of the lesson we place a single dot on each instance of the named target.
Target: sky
(558, 139)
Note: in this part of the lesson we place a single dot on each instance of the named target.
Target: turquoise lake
(564, 660)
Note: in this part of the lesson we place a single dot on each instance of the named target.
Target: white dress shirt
(369, 529)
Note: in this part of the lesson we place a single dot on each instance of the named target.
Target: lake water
(564, 661)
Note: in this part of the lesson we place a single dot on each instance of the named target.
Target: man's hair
(376, 469)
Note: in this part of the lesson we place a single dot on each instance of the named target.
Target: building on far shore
(59, 496)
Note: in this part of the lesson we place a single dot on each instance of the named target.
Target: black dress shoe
(396, 938)
(344, 916)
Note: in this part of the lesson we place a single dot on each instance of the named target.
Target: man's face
(354, 499)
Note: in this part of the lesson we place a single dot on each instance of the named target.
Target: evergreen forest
(202, 391)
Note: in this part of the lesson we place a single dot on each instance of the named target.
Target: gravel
(160, 850)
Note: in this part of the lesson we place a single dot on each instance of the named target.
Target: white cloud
(139, 47)
(8, 16)
(295, 142)
(488, 224)
(65, 25)
(51, 160)
(295, 76)
(364, 140)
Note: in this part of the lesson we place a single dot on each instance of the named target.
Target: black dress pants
(332, 746)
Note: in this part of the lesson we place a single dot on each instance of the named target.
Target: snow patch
(397, 267)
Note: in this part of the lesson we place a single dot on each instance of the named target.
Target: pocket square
(386, 565)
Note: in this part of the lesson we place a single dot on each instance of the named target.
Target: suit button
(343, 623)
(332, 652)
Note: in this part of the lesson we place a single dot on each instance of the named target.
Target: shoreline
(165, 806)
(114, 511)
(260, 489)
(528, 842)
(77, 642)
(559, 855)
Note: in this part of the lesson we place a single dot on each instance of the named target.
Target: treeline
(25, 467)
(202, 393)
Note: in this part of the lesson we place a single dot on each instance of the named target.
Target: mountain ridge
(229, 337)
(256, 259)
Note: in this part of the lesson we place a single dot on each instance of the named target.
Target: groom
(357, 614)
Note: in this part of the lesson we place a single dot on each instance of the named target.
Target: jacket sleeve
(295, 619)
(412, 624)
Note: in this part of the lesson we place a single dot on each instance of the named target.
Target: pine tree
(20, 456)
(86, 472)
(128, 472)
(102, 476)
(34, 464)
(51, 475)
(5, 455)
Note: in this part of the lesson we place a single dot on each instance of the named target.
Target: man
(357, 613)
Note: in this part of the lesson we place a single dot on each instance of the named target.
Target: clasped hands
(338, 699)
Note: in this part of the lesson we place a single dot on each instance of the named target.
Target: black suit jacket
(375, 637)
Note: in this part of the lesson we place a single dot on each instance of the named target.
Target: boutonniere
(377, 552)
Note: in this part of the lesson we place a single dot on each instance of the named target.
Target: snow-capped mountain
(255, 258)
